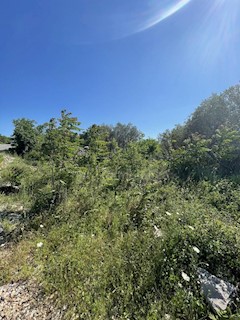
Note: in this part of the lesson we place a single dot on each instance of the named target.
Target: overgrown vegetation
(116, 226)
(4, 139)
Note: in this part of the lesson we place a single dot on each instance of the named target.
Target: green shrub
(15, 172)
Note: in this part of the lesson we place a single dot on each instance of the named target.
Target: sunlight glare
(218, 32)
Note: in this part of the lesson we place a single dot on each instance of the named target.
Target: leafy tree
(208, 117)
(170, 140)
(226, 146)
(166, 142)
(194, 159)
(61, 141)
(96, 140)
(231, 98)
(95, 132)
(60, 147)
(149, 148)
(216, 111)
(36, 152)
(216, 124)
(24, 135)
(125, 133)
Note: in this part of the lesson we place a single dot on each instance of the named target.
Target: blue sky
(103, 63)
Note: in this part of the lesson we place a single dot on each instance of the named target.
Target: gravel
(25, 301)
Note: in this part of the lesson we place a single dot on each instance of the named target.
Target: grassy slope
(101, 253)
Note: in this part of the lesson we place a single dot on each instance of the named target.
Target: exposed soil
(25, 301)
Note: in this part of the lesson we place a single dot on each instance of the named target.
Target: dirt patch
(25, 300)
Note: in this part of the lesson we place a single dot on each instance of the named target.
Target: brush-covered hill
(114, 226)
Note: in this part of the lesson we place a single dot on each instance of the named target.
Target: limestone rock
(216, 291)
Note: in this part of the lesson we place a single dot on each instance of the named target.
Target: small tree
(24, 135)
(96, 139)
(125, 134)
(226, 145)
(194, 160)
(61, 145)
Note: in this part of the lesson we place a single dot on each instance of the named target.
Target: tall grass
(117, 248)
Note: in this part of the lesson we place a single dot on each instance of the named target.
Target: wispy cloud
(163, 12)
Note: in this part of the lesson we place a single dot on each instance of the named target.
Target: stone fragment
(1, 231)
(217, 292)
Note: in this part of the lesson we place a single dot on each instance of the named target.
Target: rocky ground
(25, 300)
(21, 300)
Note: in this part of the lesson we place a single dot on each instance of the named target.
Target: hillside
(104, 224)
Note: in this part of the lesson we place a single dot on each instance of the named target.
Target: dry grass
(16, 261)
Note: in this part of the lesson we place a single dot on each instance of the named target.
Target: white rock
(157, 232)
(196, 249)
(217, 291)
(39, 244)
(185, 276)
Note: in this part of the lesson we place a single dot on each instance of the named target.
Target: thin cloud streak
(164, 15)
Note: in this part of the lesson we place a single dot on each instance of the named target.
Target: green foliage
(216, 111)
(4, 139)
(194, 160)
(14, 173)
(127, 163)
(104, 265)
(125, 223)
(226, 146)
(208, 117)
(101, 252)
(125, 134)
(97, 144)
(211, 136)
(171, 140)
(61, 140)
(149, 148)
(60, 149)
(24, 135)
